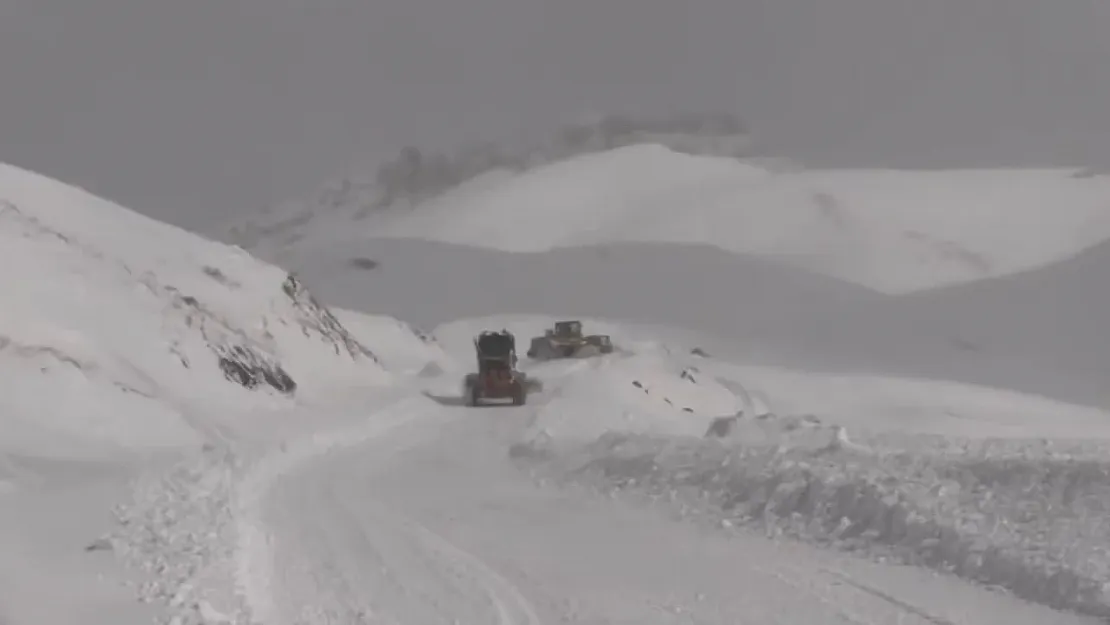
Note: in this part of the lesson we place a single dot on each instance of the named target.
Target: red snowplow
(497, 376)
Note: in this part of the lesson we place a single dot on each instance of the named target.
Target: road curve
(431, 524)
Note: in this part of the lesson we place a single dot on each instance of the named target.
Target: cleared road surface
(431, 524)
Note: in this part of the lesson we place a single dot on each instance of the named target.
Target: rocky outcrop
(250, 369)
(316, 319)
(245, 360)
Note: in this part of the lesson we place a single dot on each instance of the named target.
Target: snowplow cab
(497, 376)
(495, 346)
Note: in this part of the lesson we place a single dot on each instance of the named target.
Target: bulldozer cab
(567, 329)
(564, 339)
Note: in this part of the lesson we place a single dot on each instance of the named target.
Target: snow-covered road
(430, 522)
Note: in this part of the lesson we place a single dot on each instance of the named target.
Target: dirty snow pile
(999, 499)
(893, 231)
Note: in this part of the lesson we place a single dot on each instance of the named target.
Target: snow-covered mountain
(120, 330)
(414, 176)
(325, 468)
(893, 231)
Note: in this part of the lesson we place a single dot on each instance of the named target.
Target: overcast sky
(195, 110)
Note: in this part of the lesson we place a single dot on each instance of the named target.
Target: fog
(194, 111)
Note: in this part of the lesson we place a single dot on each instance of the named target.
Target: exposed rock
(721, 427)
(316, 318)
(249, 369)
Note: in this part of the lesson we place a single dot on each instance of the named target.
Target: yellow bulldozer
(565, 340)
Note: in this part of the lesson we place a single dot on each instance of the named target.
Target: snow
(437, 533)
(400, 347)
(46, 574)
(113, 337)
(893, 231)
(790, 493)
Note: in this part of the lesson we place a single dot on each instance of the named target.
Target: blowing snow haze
(195, 111)
(801, 394)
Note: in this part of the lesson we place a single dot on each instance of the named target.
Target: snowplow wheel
(520, 394)
(473, 395)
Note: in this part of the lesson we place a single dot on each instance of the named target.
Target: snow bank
(178, 530)
(117, 330)
(642, 392)
(1012, 502)
(1025, 517)
(894, 231)
(873, 403)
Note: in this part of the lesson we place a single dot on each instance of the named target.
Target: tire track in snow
(377, 528)
(254, 549)
(889, 598)
(511, 605)
(408, 573)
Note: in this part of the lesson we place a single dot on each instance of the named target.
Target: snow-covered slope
(126, 343)
(399, 347)
(117, 330)
(894, 231)
(1054, 316)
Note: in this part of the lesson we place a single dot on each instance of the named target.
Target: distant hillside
(416, 175)
(889, 230)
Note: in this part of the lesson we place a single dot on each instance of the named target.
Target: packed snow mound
(643, 392)
(894, 231)
(118, 329)
(667, 384)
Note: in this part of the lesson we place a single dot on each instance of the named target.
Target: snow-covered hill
(118, 331)
(125, 342)
(894, 231)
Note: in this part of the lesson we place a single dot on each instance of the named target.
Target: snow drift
(116, 329)
(894, 231)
